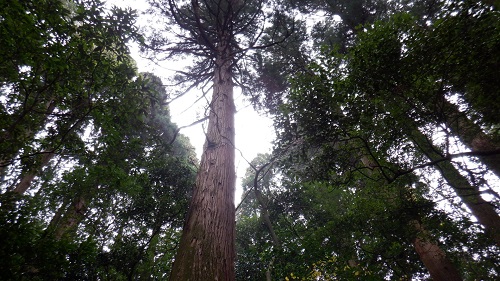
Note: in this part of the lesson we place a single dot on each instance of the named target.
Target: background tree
(388, 142)
(109, 201)
(366, 98)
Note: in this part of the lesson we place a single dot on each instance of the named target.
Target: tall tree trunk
(431, 255)
(73, 216)
(27, 178)
(468, 193)
(67, 217)
(206, 250)
(472, 136)
(434, 259)
(28, 132)
(56, 218)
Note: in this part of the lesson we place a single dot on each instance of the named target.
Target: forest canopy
(94, 185)
(386, 164)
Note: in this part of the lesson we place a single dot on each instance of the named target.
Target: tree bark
(206, 250)
(472, 136)
(26, 180)
(469, 194)
(431, 255)
(74, 214)
(29, 131)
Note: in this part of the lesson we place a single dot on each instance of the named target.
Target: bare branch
(183, 127)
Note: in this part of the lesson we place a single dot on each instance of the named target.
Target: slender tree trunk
(468, 193)
(66, 218)
(74, 214)
(267, 221)
(434, 259)
(263, 206)
(6, 157)
(472, 136)
(56, 218)
(265, 217)
(206, 250)
(28, 178)
(432, 256)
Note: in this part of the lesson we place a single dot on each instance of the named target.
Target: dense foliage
(384, 142)
(387, 150)
(94, 185)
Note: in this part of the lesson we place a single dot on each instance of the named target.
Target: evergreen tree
(218, 35)
(385, 98)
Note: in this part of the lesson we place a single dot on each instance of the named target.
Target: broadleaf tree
(93, 184)
(388, 94)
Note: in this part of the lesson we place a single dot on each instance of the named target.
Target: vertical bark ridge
(206, 249)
